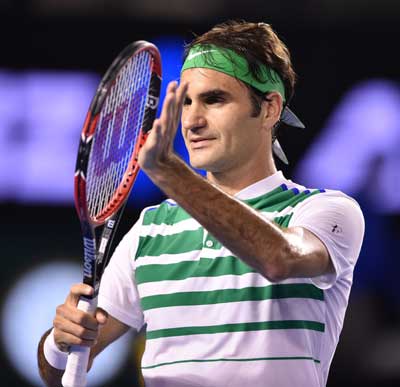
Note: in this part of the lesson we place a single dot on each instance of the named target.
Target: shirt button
(209, 243)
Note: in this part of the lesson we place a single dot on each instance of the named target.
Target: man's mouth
(200, 142)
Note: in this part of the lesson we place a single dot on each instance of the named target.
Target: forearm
(50, 375)
(257, 241)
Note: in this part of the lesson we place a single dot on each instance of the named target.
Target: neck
(235, 180)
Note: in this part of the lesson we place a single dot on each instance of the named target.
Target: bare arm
(74, 327)
(275, 252)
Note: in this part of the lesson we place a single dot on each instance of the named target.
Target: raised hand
(158, 149)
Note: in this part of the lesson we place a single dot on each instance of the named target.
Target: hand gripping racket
(116, 127)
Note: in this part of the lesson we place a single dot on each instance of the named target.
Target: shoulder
(330, 214)
(337, 220)
(329, 210)
(319, 199)
(326, 203)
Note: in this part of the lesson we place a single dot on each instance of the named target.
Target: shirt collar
(261, 187)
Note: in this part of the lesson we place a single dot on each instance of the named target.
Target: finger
(157, 128)
(101, 316)
(168, 108)
(180, 97)
(154, 136)
(174, 89)
(63, 326)
(76, 292)
(181, 92)
(160, 139)
(171, 126)
(172, 86)
(168, 100)
(68, 340)
(77, 316)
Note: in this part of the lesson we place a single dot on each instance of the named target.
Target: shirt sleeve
(118, 294)
(338, 222)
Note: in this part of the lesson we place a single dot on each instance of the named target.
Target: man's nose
(193, 118)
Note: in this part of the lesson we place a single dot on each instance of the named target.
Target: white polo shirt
(214, 321)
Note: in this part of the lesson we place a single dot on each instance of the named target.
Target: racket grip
(78, 358)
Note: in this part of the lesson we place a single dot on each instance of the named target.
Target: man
(243, 278)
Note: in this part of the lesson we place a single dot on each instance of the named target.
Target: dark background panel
(334, 46)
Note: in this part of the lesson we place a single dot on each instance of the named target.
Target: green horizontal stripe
(268, 199)
(171, 244)
(292, 201)
(240, 327)
(283, 221)
(278, 199)
(233, 295)
(165, 213)
(240, 360)
(205, 267)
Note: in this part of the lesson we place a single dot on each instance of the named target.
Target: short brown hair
(257, 43)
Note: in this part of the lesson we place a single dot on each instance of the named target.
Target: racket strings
(117, 132)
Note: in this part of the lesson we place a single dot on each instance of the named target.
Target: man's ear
(272, 109)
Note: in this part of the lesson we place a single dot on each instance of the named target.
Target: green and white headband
(229, 62)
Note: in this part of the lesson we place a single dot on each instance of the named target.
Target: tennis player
(242, 278)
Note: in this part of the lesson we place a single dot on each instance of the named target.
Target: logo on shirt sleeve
(336, 229)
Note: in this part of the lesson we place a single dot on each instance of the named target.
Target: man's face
(219, 131)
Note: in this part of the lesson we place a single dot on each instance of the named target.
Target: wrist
(54, 356)
(165, 173)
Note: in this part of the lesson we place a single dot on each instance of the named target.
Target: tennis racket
(116, 127)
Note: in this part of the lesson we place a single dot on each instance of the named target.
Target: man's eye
(214, 99)
(187, 101)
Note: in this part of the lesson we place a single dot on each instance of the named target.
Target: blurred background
(53, 53)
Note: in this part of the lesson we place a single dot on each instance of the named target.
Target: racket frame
(97, 245)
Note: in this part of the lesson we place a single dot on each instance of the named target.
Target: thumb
(76, 292)
(101, 316)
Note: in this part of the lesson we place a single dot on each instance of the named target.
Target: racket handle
(78, 358)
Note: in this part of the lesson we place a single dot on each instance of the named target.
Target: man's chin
(206, 167)
(200, 164)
